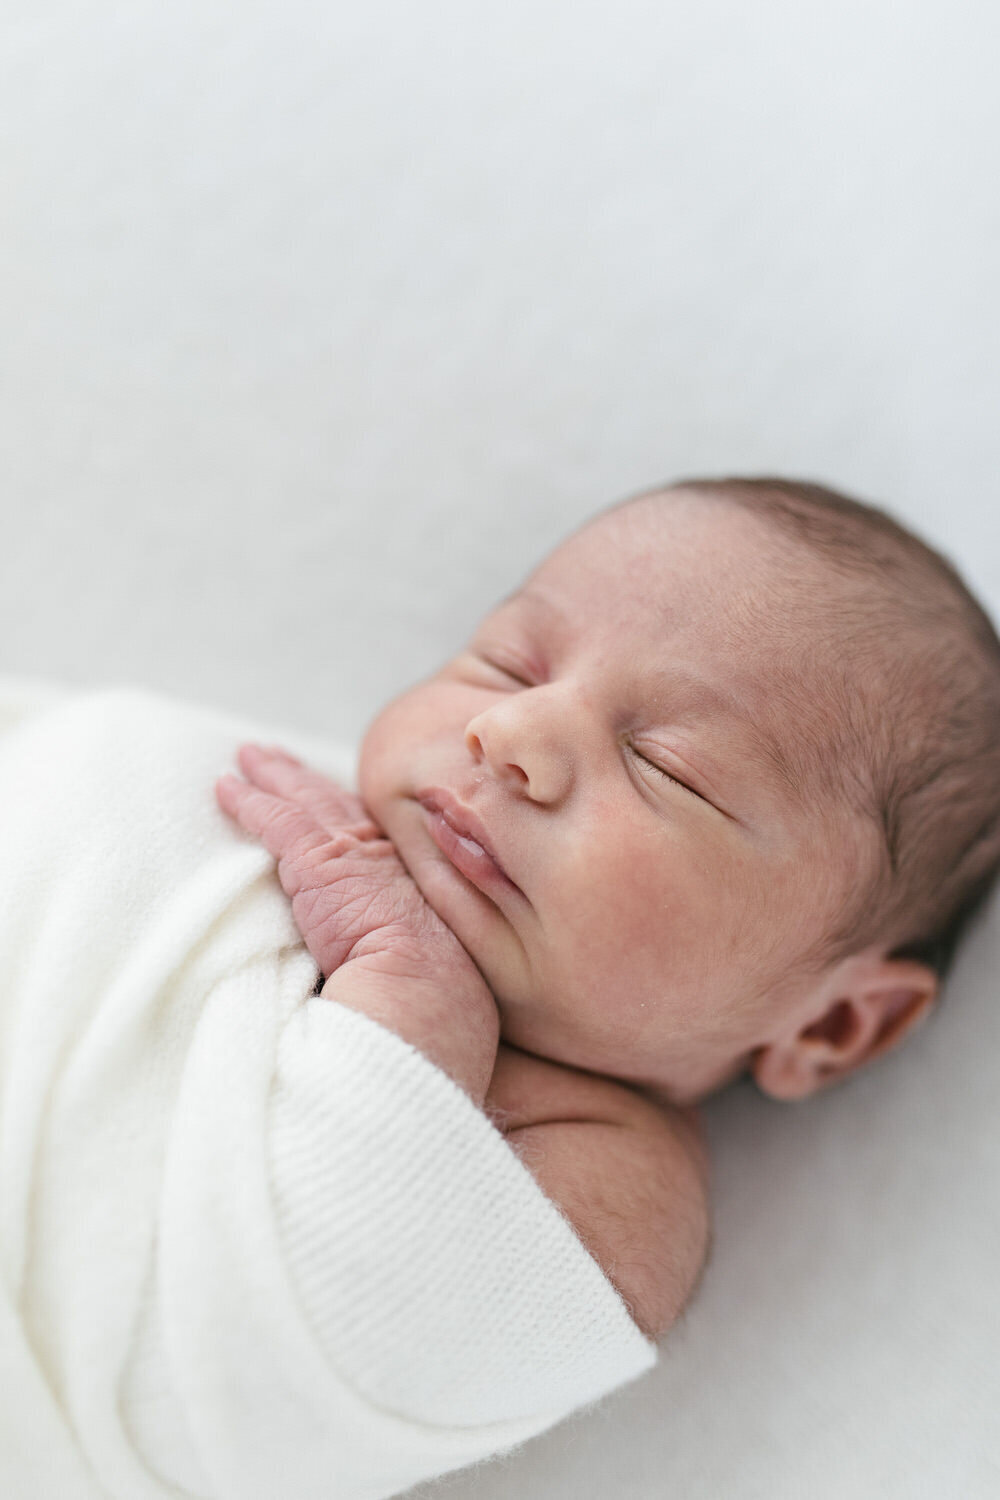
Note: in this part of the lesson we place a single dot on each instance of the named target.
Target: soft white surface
(320, 324)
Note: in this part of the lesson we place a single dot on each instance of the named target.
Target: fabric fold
(252, 1243)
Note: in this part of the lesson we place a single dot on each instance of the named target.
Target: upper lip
(461, 818)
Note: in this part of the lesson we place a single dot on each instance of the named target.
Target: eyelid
(514, 676)
(494, 657)
(668, 775)
(661, 771)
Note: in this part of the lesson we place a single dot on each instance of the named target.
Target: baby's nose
(524, 755)
(477, 740)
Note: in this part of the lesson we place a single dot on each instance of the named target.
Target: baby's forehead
(762, 611)
(680, 534)
(683, 560)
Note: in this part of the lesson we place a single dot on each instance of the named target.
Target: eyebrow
(771, 753)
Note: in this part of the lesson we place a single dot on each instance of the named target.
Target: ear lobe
(866, 1007)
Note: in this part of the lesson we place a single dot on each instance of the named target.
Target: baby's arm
(627, 1173)
(631, 1175)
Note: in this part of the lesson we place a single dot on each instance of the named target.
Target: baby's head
(735, 746)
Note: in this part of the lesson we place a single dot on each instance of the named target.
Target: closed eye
(508, 672)
(666, 774)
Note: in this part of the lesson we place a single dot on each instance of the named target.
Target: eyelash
(665, 774)
(524, 682)
(506, 671)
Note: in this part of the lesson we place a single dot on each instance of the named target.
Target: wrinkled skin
(629, 1174)
(380, 946)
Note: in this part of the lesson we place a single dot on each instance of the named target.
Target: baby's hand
(628, 1179)
(381, 947)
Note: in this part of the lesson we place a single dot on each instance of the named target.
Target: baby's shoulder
(629, 1174)
(529, 1090)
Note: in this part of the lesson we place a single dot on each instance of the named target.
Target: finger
(284, 828)
(229, 792)
(333, 806)
(277, 752)
(273, 770)
(247, 804)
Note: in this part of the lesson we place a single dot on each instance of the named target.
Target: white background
(319, 325)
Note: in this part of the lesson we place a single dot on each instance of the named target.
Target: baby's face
(613, 733)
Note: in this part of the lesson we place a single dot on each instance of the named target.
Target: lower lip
(468, 858)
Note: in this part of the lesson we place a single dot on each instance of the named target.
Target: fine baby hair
(911, 723)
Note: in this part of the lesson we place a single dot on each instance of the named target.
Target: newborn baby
(684, 806)
(714, 792)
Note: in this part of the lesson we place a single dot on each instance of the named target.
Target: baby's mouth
(461, 838)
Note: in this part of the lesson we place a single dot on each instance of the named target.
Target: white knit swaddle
(252, 1244)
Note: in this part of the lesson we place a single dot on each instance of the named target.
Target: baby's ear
(857, 1012)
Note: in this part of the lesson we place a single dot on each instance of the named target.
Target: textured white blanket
(253, 1245)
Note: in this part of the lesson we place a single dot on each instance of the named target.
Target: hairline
(841, 782)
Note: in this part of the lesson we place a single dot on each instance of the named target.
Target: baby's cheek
(615, 906)
(385, 754)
